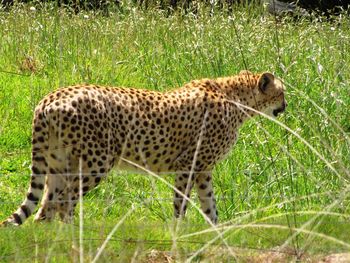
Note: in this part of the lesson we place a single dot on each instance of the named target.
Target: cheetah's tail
(38, 176)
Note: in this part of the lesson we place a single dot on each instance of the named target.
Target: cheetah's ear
(264, 81)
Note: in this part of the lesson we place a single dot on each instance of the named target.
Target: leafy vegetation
(283, 185)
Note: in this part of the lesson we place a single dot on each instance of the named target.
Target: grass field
(284, 187)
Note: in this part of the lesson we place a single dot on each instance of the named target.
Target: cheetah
(81, 132)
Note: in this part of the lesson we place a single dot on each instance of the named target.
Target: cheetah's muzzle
(280, 110)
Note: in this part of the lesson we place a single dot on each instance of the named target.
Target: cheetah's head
(270, 95)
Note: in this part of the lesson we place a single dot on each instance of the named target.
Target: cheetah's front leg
(206, 195)
(184, 184)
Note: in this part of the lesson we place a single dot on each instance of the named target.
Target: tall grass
(284, 184)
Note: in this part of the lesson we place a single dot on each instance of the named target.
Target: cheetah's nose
(281, 109)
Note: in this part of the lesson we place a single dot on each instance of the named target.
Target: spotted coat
(81, 132)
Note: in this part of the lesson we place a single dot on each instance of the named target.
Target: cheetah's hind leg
(57, 183)
(84, 176)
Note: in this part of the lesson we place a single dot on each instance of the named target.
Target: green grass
(271, 176)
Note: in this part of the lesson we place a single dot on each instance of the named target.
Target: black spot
(32, 198)
(50, 196)
(85, 189)
(37, 128)
(25, 210)
(97, 180)
(39, 159)
(207, 211)
(203, 186)
(86, 179)
(36, 149)
(17, 218)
